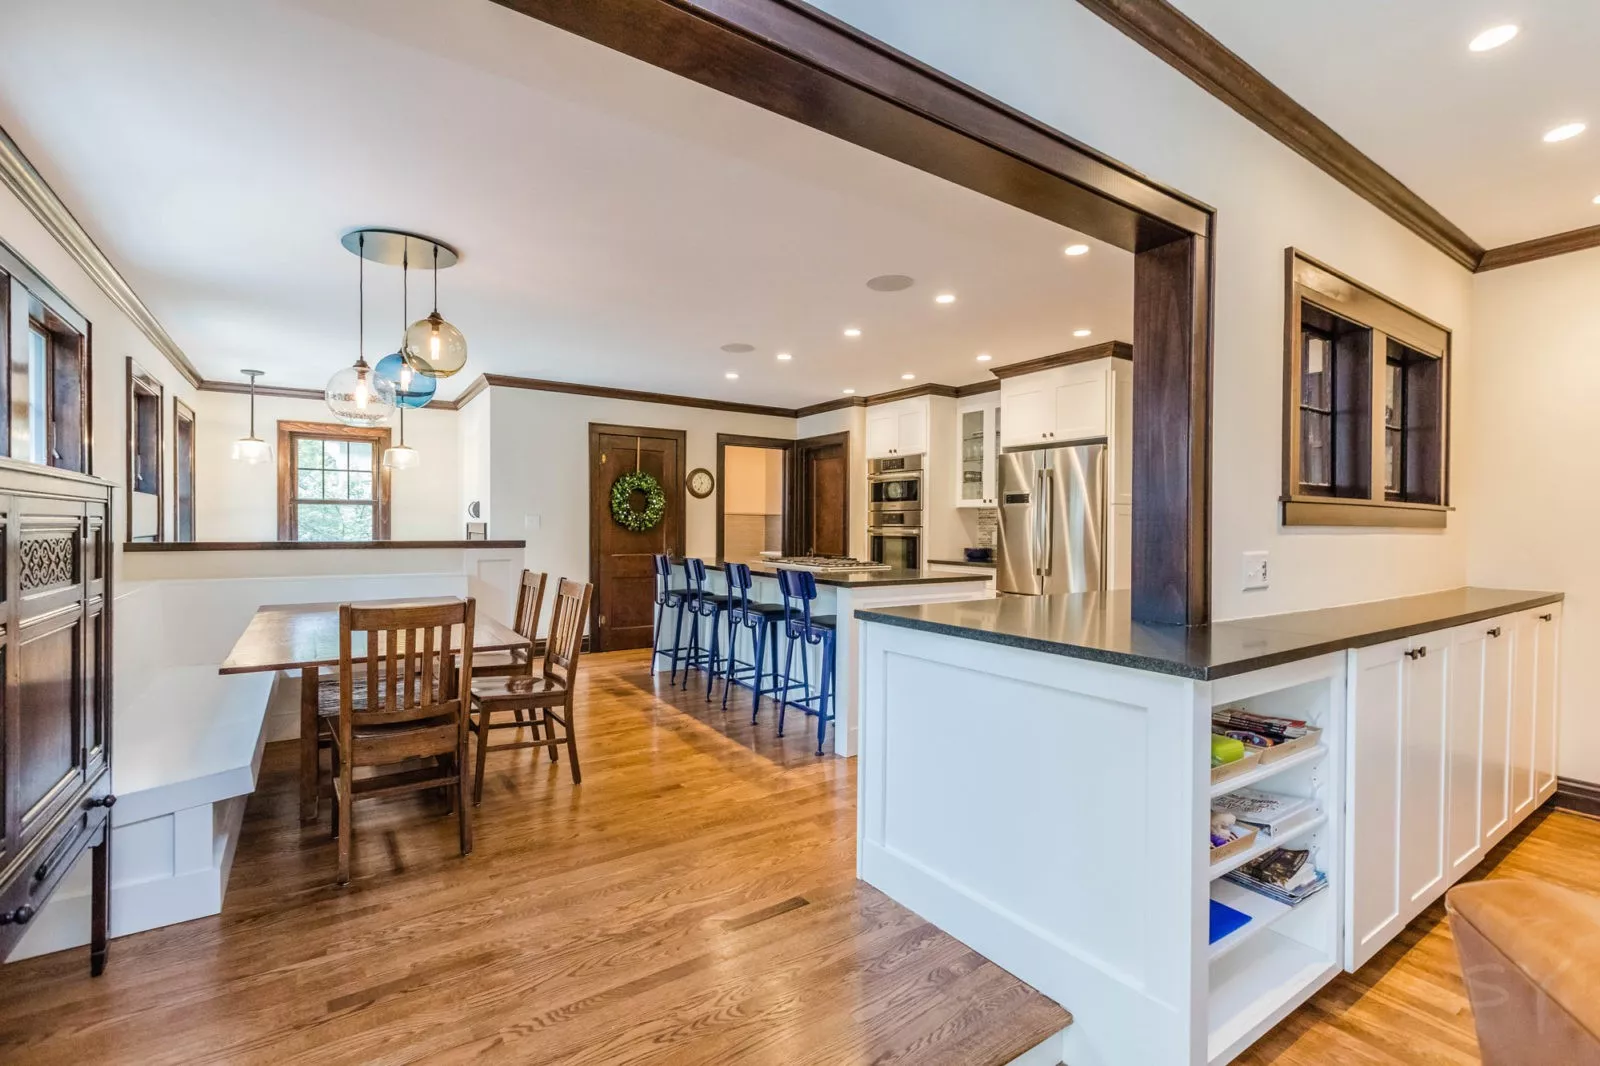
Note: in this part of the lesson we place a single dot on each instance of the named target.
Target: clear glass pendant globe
(401, 457)
(359, 397)
(434, 347)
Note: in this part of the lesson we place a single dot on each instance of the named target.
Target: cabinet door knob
(1546, 617)
(1417, 653)
(1495, 632)
(100, 801)
(21, 916)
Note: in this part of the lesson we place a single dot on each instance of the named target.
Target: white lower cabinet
(1452, 743)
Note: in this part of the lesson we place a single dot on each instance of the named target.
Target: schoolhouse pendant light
(356, 395)
(252, 449)
(433, 346)
(401, 457)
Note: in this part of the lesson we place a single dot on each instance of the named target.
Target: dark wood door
(822, 486)
(623, 610)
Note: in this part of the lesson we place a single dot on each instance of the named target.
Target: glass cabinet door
(975, 448)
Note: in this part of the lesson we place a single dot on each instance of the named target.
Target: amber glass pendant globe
(357, 396)
(434, 347)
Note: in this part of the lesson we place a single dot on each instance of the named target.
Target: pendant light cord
(252, 407)
(361, 300)
(436, 279)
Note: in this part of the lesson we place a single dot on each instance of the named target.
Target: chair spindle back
(413, 659)
(530, 598)
(566, 630)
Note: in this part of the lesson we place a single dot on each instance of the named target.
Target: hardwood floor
(693, 901)
(1408, 1005)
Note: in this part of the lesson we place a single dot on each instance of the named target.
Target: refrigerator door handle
(1048, 497)
(1039, 545)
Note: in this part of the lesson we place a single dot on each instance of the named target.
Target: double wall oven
(894, 514)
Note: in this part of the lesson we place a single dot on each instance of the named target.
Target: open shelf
(1255, 986)
(1265, 844)
(1261, 773)
(1263, 911)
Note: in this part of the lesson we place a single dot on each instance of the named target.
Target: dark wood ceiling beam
(1182, 44)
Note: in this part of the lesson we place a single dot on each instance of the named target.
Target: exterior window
(1366, 406)
(331, 486)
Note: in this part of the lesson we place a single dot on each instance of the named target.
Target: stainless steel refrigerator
(1052, 520)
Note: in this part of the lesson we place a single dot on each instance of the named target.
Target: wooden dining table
(305, 637)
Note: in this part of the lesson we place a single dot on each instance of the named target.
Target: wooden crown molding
(243, 388)
(840, 404)
(910, 391)
(1575, 240)
(1103, 350)
(507, 381)
(1183, 45)
(26, 183)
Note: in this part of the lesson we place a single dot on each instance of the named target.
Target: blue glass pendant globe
(411, 389)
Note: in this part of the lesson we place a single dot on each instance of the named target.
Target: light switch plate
(1255, 570)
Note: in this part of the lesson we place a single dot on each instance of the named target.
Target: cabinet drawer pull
(1546, 617)
(1495, 632)
(1417, 653)
(21, 916)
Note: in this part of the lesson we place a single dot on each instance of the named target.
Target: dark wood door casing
(621, 612)
(791, 59)
(739, 440)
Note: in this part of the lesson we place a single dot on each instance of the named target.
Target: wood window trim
(1310, 281)
(25, 295)
(182, 412)
(289, 431)
(141, 383)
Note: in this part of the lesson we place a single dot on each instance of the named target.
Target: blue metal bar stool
(667, 598)
(698, 604)
(761, 619)
(799, 589)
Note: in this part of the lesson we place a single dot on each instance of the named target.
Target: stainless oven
(895, 484)
(895, 538)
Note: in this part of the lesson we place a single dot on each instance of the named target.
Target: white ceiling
(1462, 129)
(617, 224)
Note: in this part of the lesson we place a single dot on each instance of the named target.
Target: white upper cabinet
(978, 440)
(1069, 404)
(898, 428)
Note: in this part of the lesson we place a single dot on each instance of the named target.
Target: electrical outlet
(1255, 570)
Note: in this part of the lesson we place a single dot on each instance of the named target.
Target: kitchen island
(840, 595)
(1035, 780)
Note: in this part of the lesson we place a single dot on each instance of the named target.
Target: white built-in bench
(188, 744)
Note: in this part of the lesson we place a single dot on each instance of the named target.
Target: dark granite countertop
(962, 562)
(858, 580)
(1097, 626)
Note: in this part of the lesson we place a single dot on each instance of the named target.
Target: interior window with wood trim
(146, 488)
(45, 366)
(331, 484)
(183, 464)
(1366, 405)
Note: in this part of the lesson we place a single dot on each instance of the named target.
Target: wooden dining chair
(530, 598)
(399, 697)
(546, 696)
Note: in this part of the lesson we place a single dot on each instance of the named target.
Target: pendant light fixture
(433, 346)
(411, 389)
(252, 449)
(356, 395)
(401, 457)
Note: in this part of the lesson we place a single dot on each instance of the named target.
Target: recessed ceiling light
(784, 357)
(852, 332)
(890, 283)
(1565, 132)
(849, 392)
(1077, 249)
(985, 357)
(1080, 333)
(908, 377)
(945, 298)
(738, 348)
(732, 375)
(1493, 38)
(1597, 200)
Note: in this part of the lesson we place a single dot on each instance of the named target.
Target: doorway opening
(752, 496)
(820, 502)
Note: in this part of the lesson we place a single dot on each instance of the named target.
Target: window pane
(337, 482)
(1315, 464)
(310, 484)
(1315, 380)
(360, 486)
(1391, 395)
(38, 405)
(308, 453)
(331, 521)
(360, 455)
(1391, 459)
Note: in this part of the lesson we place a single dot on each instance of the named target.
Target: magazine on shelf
(1256, 730)
(1286, 875)
(1272, 811)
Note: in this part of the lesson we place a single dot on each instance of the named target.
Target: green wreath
(622, 508)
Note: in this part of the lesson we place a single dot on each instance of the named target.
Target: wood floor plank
(694, 900)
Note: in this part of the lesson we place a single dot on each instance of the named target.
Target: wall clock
(701, 483)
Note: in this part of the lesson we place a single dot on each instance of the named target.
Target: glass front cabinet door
(978, 431)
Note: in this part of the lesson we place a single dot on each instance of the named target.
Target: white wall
(539, 468)
(1532, 459)
(851, 420)
(115, 338)
(1056, 61)
(234, 501)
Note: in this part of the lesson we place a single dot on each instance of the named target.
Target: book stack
(1271, 812)
(1282, 874)
(1256, 730)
